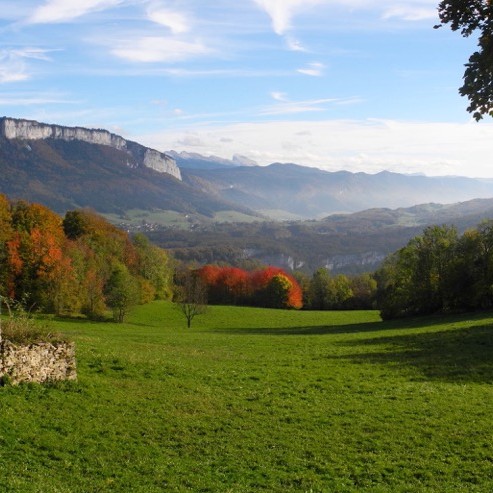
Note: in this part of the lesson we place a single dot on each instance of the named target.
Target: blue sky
(336, 84)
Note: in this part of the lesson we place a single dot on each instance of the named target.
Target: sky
(359, 85)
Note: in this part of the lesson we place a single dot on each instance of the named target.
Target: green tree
(339, 292)
(364, 289)
(318, 291)
(417, 278)
(277, 291)
(121, 292)
(74, 224)
(474, 16)
(155, 266)
(473, 273)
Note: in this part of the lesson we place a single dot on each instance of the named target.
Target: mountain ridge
(139, 155)
(71, 167)
(315, 193)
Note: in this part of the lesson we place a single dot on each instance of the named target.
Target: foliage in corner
(471, 16)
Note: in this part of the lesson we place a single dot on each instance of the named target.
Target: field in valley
(251, 400)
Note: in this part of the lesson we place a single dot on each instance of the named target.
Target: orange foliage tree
(64, 266)
(269, 287)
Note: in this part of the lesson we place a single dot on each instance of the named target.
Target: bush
(21, 328)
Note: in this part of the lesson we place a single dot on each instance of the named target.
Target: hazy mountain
(198, 161)
(70, 167)
(310, 192)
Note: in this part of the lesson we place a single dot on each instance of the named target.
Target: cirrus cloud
(55, 11)
(281, 12)
(177, 22)
(152, 49)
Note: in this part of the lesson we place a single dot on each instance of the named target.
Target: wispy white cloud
(314, 69)
(158, 49)
(285, 107)
(13, 67)
(281, 12)
(279, 96)
(410, 12)
(294, 44)
(33, 53)
(55, 11)
(176, 21)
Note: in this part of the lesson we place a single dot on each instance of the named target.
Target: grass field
(136, 217)
(255, 400)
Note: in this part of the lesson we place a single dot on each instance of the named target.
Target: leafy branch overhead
(474, 16)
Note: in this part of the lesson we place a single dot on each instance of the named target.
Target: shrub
(21, 328)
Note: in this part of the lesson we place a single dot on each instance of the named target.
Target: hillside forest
(78, 264)
(82, 264)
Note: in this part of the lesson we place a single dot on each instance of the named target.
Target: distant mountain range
(290, 190)
(67, 168)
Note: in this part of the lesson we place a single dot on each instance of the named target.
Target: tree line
(438, 271)
(273, 287)
(82, 264)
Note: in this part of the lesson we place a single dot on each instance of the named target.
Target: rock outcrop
(12, 128)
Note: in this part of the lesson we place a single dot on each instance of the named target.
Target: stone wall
(40, 362)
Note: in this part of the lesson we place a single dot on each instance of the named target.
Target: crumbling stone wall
(40, 362)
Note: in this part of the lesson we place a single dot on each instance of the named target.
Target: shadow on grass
(363, 327)
(454, 355)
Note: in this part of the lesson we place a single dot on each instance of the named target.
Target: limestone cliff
(12, 128)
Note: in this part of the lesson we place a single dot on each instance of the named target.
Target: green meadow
(252, 400)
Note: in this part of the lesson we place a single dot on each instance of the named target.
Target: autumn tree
(277, 292)
(268, 287)
(5, 236)
(34, 253)
(272, 293)
(155, 266)
(474, 16)
(226, 285)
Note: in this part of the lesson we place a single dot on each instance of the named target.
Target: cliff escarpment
(138, 155)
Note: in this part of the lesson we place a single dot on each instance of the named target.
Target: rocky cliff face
(139, 155)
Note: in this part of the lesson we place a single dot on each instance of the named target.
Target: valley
(208, 209)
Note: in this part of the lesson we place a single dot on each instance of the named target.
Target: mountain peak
(17, 129)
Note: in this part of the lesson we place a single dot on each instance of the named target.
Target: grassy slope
(259, 400)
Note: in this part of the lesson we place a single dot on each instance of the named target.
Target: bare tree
(191, 295)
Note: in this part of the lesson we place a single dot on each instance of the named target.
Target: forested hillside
(79, 264)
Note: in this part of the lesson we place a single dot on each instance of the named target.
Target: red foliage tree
(231, 285)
